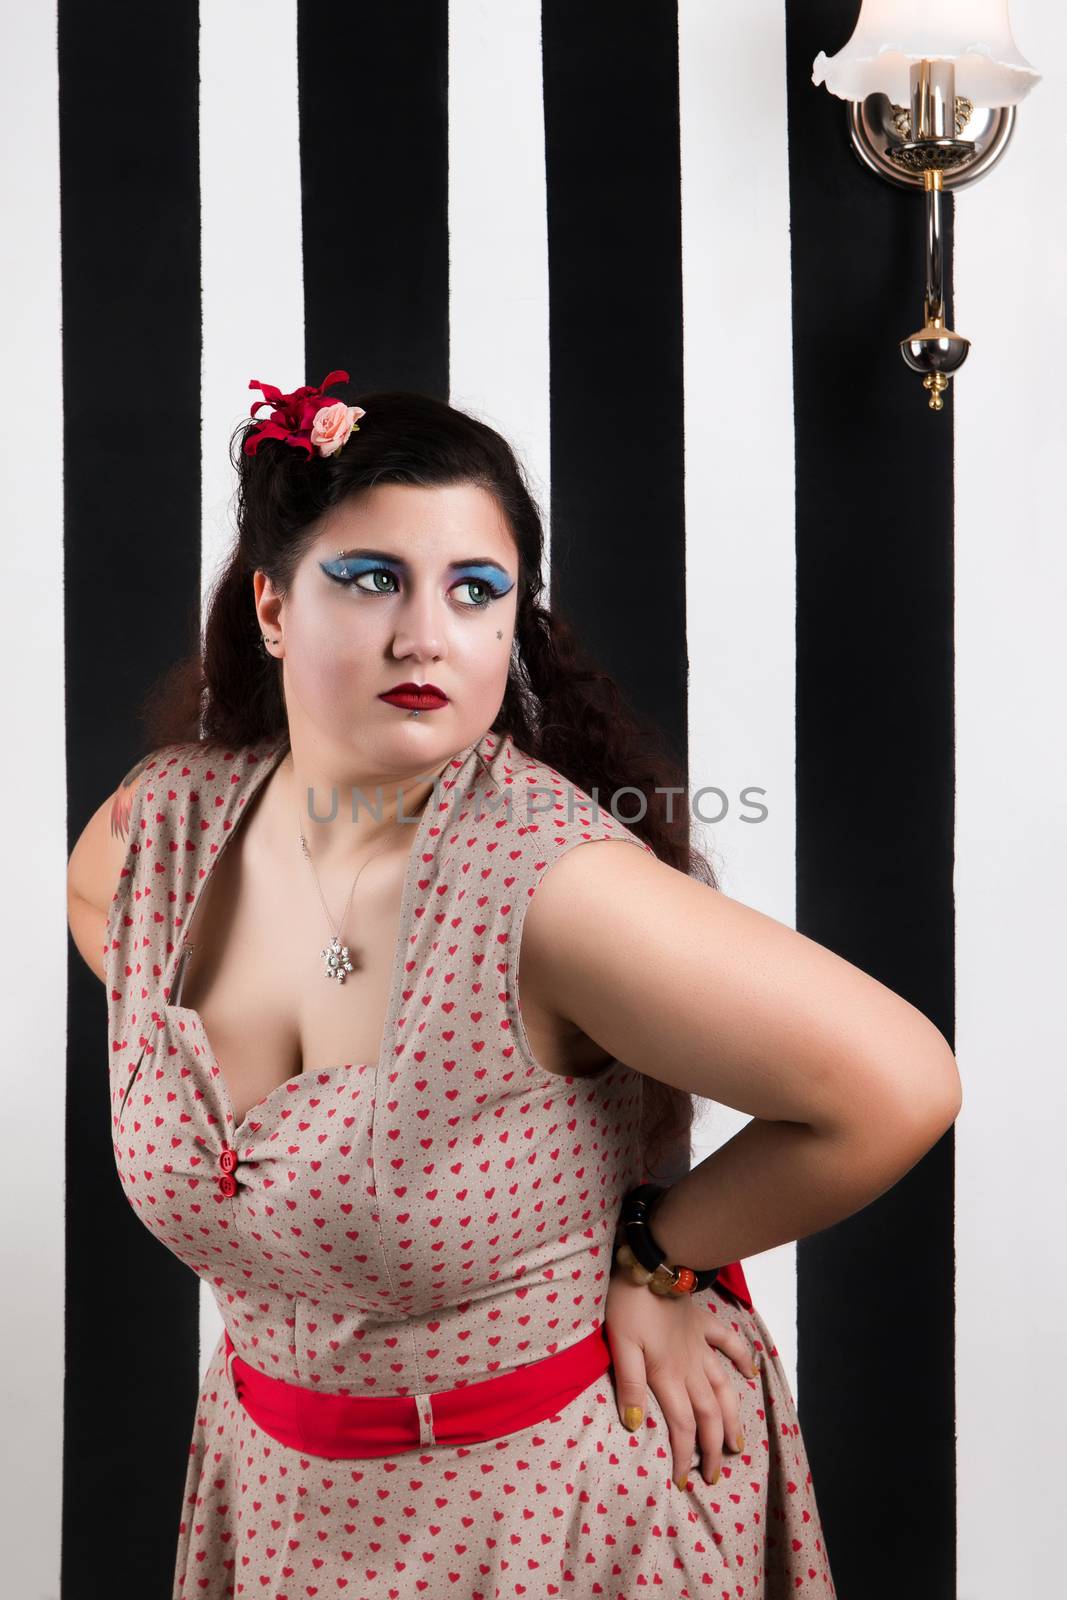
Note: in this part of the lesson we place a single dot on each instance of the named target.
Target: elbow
(911, 1108)
(949, 1099)
(956, 1096)
(934, 1099)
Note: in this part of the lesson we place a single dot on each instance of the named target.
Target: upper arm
(95, 865)
(687, 985)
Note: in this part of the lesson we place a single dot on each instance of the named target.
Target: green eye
(477, 583)
(373, 574)
(383, 580)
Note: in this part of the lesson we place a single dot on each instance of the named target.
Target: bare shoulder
(578, 893)
(121, 801)
(585, 880)
(97, 859)
(701, 991)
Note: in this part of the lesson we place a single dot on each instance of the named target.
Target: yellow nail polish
(741, 1439)
(715, 1475)
(683, 1482)
(631, 1417)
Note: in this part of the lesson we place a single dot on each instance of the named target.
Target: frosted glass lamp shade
(892, 34)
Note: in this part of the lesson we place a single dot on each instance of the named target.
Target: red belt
(732, 1279)
(346, 1427)
(343, 1427)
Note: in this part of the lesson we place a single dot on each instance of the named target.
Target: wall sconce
(917, 54)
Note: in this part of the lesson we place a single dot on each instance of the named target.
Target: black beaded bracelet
(643, 1256)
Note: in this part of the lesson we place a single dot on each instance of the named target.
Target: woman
(431, 1379)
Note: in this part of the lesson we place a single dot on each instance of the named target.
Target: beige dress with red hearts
(433, 1219)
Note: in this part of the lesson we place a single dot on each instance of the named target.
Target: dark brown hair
(557, 707)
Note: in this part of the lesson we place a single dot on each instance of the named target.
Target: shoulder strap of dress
(180, 813)
(548, 807)
(161, 770)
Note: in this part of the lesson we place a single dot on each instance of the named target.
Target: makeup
(352, 567)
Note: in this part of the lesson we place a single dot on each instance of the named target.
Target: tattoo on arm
(122, 801)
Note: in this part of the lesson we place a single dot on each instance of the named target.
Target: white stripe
(253, 274)
(1010, 261)
(498, 245)
(33, 944)
(739, 490)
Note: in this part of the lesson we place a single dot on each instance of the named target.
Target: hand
(670, 1343)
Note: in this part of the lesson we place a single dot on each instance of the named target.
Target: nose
(420, 632)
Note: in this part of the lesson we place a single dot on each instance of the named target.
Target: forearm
(778, 1181)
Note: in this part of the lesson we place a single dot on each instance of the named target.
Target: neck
(347, 818)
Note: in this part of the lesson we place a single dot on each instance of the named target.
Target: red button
(228, 1159)
(228, 1184)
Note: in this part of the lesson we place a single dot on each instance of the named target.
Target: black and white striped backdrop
(632, 235)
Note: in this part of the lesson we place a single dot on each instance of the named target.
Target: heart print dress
(436, 1218)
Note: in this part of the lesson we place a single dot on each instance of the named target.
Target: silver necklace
(335, 954)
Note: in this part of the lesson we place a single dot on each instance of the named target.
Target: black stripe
(874, 628)
(874, 724)
(129, 159)
(374, 181)
(615, 294)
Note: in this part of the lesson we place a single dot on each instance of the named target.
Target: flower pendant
(335, 956)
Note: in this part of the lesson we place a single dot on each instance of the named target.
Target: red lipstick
(416, 696)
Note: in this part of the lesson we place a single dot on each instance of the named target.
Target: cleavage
(255, 976)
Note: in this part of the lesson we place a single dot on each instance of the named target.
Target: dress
(433, 1219)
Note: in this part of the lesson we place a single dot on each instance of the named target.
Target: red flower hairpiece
(305, 418)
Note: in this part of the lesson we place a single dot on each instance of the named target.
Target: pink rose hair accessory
(305, 419)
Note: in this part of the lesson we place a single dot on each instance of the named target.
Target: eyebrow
(398, 561)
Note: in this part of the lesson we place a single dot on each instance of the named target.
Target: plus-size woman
(439, 1373)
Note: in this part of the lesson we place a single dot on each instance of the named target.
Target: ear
(268, 605)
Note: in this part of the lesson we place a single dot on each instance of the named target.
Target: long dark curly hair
(557, 707)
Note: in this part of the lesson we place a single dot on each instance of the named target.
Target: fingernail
(631, 1417)
(741, 1440)
(683, 1482)
(755, 1370)
(715, 1475)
